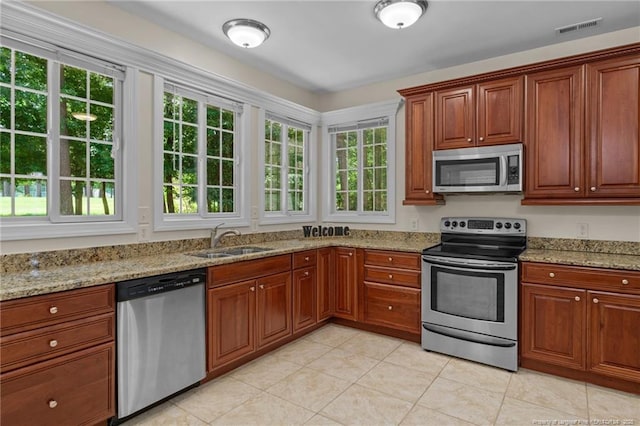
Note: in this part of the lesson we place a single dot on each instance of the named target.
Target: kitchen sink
(231, 251)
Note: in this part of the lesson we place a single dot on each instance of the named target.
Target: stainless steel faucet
(215, 238)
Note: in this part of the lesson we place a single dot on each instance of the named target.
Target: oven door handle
(469, 337)
(469, 265)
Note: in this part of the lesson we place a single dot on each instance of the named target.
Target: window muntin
(285, 167)
(199, 155)
(75, 177)
(360, 169)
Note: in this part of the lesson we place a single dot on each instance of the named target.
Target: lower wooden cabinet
(346, 283)
(325, 283)
(304, 298)
(273, 306)
(584, 329)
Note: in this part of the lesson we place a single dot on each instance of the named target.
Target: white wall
(608, 223)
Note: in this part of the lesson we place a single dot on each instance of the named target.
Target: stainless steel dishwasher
(160, 338)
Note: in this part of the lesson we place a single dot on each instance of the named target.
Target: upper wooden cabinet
(419, 145)
(488, 113)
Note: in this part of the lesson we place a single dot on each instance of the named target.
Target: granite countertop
(582, 258)
(22, 284)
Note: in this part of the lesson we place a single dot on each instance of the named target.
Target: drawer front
(582, 277)
(38, 311)
(392, 259)
(248, 269)
(304, 259)
(54, 393)
(26, 348)
(391, 306)
(392, 276)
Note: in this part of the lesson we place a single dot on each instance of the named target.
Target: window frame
(55, 225)
(349, 117)
(176, 221)
(285, 216)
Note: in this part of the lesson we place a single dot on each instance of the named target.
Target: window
(361, 158)
(286, 167)
(200, 154)
(60, 139)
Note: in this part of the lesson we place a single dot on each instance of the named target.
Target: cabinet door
(553, 325)
(613, 130)
(455, 118)
(392, 306)
(614, 336)
(419, 147)
(304, 298)
(554, 146)
(273, 308)
(499, 112)
(232, 312)
(346, 283)
(325, 283)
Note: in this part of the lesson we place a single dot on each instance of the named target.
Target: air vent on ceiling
(579, 26)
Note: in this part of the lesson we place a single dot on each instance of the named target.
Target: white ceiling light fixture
(246, 33)
(398, 14)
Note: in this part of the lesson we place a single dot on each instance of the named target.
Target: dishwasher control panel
(149, 286)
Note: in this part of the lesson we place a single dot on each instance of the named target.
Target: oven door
(470, 294)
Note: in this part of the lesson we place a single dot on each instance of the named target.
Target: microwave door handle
(503, 171)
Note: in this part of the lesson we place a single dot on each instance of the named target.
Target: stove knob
(454, 223)
(462, 224)
(499, 225)
(516, 225)
(447, 223)
(507, 225)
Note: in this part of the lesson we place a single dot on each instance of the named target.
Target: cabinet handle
(261, 286)
(390, 276)
(252, 288)
(469, 140)
(595, 300)
(625, 282)
(306, 258)
(306, 273)
(551, 274)
(481, 138)
(577, 298)
(53, 310)
(53, 343)
(577, 189)
(53, 403)
(390, 308)
(593, 189)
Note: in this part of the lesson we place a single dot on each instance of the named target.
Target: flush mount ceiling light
(246, 32)
(83, 116)
(398, 14)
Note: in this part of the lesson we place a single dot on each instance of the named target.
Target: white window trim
(163, 222)
(367, 112)
(273, 218)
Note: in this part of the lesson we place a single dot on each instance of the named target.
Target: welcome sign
(325, 231)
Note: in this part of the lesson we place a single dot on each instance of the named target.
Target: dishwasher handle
(149, 286)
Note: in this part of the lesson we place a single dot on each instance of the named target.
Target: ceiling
(331, 45)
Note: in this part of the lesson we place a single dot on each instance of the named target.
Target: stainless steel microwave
(484, 169)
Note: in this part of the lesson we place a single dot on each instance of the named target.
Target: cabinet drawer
(392, 276)
(304, 258)
(54, 393)
(392, 259)
(248, 269)
(391, 306)
(583, 277)
(29, 347)
(33, 312)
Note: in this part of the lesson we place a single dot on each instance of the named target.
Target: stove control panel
(484, 225)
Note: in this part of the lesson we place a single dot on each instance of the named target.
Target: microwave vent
(579, 26)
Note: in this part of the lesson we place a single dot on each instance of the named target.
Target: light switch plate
(414, 224)
(582, 230)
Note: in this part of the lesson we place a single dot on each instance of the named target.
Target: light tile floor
(342, 376)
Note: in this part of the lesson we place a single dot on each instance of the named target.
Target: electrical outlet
(414, 224)
(144, 214)
(143, 233)
(254, 212)
(583, 230)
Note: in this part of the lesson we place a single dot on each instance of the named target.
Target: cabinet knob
(595, 300)
(390, 308)
(390, 276)
(306, 273)
(577, 298)
(252, 288)
(551, 274)
(53, 310)
(390, 259)
(427, 191)
(53, 343)
(625, 282)
(577, 189)
(469, 140)
(306, 258)
(593, 189)
(481, 138)
(261, 286)
(53, 403)
(350, 254)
